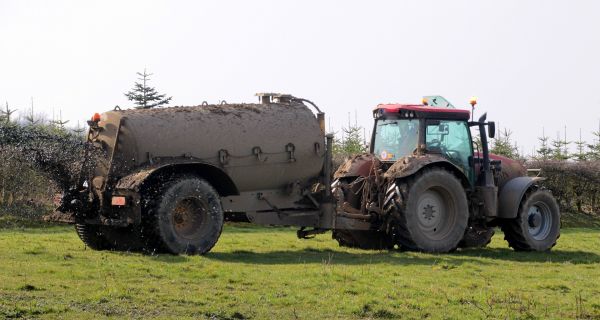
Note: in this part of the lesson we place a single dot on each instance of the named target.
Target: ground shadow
(479, 256)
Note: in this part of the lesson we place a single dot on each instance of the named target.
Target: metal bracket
(223, 157)
(309, 234)
(260, 196)
(258, 153)
(290, 148)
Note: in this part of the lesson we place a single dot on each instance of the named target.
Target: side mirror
(491, 129)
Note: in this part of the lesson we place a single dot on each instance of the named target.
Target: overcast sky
(532, 64)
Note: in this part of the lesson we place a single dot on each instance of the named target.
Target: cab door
(452, 139)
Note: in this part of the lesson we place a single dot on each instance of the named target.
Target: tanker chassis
(164, 180)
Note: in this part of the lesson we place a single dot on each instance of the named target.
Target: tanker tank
(260, 146)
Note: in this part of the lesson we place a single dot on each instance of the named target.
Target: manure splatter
(56, 153)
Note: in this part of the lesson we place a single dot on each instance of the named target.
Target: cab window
(395, 139)
(451, 139)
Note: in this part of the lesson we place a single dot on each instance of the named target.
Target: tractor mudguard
(134, 181)
(362, 165)
(511, 195)
(410, 165)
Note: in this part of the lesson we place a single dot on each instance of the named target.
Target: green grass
(266, 273)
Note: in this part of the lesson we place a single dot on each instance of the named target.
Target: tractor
(428, 185)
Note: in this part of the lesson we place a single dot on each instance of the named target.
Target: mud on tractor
(165, 180)
(424, 187)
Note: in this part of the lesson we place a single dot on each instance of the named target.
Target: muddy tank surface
(260, 146)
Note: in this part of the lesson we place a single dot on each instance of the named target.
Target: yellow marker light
(473, 101)
(424, 101)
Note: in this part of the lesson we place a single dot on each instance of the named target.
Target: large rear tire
(537, 225)
(186, 217)
(435, 214)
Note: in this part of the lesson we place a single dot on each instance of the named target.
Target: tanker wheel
(477, 237)
(363, 239)
(435, 216)
(537, 225)
(186, 217)
(92, 236)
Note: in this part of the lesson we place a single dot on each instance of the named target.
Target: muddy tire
(92, 236)
(537, 225)
(185, 217)
(435, 214)
(476, 237)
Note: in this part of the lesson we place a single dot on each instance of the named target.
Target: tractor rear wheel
(185, 217)
(435, 214)
(476, 237)
(537, 225)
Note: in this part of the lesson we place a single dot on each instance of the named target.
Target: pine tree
(594, 153)
(60, 123)
(6, 113)
(504, 146)
(544, 152)
(581, 155)
(31, 118)
(146, 97)
(352, 141)
(560, 149)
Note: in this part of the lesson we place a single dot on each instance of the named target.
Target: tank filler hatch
(269, 97)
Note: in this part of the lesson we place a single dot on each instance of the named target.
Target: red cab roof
(423, 110)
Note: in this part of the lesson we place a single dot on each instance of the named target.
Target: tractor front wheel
(537, 225)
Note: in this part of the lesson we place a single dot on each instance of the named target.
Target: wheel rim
(435, 213)
(188, 217)
(539, 221)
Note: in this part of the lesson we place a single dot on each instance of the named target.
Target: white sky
(532, 64)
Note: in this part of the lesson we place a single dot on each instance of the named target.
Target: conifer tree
(146, 97)
(594, 153)
(31, 118)
(581, 154)
(560, 146)
(544, 152)
(504, 146)
(59, 122)
(6, 113)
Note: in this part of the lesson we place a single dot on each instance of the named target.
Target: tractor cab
(433, 127)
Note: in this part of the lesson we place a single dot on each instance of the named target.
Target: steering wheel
(435, 143)
(454, 154)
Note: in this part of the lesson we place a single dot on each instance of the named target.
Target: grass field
(266, 273)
